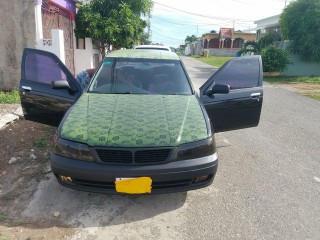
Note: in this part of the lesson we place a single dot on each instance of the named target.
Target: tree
(112, 22)
(190, 39)
(253, 47)
(300, 23)
(145, 39)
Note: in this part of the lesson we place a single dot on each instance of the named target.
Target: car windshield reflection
(141, 76)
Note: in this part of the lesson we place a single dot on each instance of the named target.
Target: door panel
(39, 101)
(241, 107)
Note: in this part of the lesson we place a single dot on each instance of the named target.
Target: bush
(274, 59)
(9, 97)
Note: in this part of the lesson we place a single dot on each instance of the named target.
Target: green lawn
(9, 97)
(213, 60)
(308, 86)
(286, 80)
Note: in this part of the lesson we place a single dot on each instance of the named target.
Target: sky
(173, 20)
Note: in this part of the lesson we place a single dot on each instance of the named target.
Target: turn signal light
(201, 179)
(66, 179)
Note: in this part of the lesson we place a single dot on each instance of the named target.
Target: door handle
(256, 96)
(28, 89)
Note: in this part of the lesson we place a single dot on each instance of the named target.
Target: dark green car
(139, 127)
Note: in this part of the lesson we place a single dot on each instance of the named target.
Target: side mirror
(218, 88)
(60, 84)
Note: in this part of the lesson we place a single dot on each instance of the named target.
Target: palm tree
(190, 39)
(251, 47)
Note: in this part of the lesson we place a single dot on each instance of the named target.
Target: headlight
(72, 149)
(196, 149)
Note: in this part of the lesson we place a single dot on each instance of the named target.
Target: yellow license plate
(133, 185)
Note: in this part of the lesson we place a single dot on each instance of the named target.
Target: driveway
(267, 185)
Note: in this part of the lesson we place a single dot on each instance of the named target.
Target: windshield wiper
(123, 93)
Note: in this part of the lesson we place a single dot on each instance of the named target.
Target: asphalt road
(267, 185)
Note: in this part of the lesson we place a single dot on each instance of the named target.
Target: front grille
(134, 156)
(111, 185)
(157, 155)
(115, 156)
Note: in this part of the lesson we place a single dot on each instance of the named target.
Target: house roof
(226, 32)
(268, 22)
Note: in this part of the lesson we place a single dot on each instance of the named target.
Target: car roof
(160, 47)
(144, 53)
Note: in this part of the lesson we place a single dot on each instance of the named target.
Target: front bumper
(169, 177)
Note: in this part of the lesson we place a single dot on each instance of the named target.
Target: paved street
(267, 185)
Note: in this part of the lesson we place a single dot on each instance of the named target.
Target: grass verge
(213, 60)
(289, 79)
(308, 86)
(9, 97)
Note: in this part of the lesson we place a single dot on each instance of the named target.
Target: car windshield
(141, 76)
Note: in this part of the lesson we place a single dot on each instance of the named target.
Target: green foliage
(253, 47)
(3, 216)
(300, 23)
(10, 97)
(116, 23)
(274, 59)
(145, 39)
(40, 143)
(190, 39)
(270, 38)
(250, 47)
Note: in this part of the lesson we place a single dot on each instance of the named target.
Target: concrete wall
(57, 44)
(301, 68)
(83, 58)
(17, 31)
(223, 52)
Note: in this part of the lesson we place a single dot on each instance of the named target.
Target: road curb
(10, 117)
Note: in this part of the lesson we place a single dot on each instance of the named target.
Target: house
(55, 24)
(298, 66)
(44, 24)
(225, 43)
(267, 25)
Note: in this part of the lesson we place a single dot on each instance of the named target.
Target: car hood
(128, 120)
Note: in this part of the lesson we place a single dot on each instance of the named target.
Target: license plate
(133, 185)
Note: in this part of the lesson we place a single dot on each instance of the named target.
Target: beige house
(43, 24)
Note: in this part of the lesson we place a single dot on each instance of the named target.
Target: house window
(95, 60)
(81, 44)
(95, 44)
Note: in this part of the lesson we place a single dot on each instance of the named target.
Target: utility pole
(285, 4)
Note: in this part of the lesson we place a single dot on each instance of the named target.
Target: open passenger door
(233, 95)
(47, 88)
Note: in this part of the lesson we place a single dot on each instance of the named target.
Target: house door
(54, 17)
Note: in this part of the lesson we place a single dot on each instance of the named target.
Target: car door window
(42, 69)
(242, 73)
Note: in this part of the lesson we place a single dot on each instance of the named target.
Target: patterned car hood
(128, 120)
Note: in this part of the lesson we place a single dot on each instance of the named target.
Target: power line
(199, 15)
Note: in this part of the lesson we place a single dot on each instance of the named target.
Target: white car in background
(154, 47)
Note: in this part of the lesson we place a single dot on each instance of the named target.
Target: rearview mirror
(60, 84)
(218, 88)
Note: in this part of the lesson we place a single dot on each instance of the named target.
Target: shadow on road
(82, 209)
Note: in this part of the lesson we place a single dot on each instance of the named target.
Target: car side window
(242, 73)
(42, 68)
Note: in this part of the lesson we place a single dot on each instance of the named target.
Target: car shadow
(81, 209)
